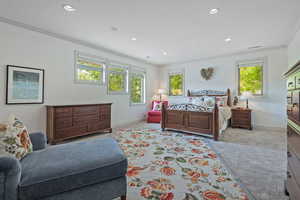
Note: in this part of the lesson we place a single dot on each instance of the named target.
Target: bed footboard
(202, 123)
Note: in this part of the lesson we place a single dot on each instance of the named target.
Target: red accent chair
(154, 116)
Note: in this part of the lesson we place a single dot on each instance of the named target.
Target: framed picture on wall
(24, 85)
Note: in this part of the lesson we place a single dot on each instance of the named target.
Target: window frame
(252, 63)
(137, 72)
(126, 81)
(89, 58)
(183, 82)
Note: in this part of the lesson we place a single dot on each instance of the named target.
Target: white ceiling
(182, 28)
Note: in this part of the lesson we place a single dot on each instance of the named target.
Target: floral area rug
(169, 165)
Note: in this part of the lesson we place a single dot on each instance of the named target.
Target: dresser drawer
(241, 119)
(104, 108)
(63, 122)
(85, 110)
(63, 112)
(241, 114)
(240, 123)
(86, 118)
(97, 126)
(71, 132)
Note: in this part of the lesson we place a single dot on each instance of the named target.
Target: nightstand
(241, 118)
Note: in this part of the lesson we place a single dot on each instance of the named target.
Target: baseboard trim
(268, 128)
(128, 124)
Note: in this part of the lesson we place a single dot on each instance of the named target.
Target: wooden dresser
(69, 121)
(241, 118)
(293, 132)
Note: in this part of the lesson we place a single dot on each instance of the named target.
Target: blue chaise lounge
(86, 170)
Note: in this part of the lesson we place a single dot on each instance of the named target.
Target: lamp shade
(161, 91)
(246, 95)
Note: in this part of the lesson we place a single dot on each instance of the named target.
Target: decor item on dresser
(69, 121)
(208, 119)
(154, 115)
(241, 118)
(293, 132)
(89, 169)
(235, 101)
(24, 85)
(207, 73)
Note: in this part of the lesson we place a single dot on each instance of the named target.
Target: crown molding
(225, 55)
(71, 39)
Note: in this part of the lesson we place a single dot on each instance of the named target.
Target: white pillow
(209, 101)
(199, 101)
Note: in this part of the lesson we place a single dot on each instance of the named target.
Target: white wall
(22, 47)
(294, 50)
(269, 110)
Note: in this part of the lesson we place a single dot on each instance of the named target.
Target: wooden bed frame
(199, 123)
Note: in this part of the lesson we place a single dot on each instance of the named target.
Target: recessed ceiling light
(228, 40)
(165, 53)
(214, 11)
(69, 8)
(133, 38)
(113, 28)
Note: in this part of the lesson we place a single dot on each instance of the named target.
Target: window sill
(117, 93)
(88, 83)
(137, 104)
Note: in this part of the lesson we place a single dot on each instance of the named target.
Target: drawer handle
(288, 174)
(289, 154)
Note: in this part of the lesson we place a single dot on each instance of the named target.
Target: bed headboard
(215, 93)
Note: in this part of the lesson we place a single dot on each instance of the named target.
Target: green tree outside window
(89, 75)
(116, 82)
(251, 80)
(137, 89)
(89, 71)
(176, 85)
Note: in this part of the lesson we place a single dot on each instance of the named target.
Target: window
(137, 87)
(89, 69)
(176, 84)
(250, 77)
(117, 79)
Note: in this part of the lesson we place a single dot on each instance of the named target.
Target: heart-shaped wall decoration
(207, 73)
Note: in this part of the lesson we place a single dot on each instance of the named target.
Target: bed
(198, 119)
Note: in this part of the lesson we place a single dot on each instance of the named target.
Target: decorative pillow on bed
(209, 101)
(14, 139)
(156, 106)
(222, 101)
(199, 101)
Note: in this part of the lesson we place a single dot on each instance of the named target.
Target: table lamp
(247, 95)
(160, 92)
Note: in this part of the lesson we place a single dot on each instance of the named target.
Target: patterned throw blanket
(190, 107)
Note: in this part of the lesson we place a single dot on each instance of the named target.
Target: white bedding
(224, 116)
